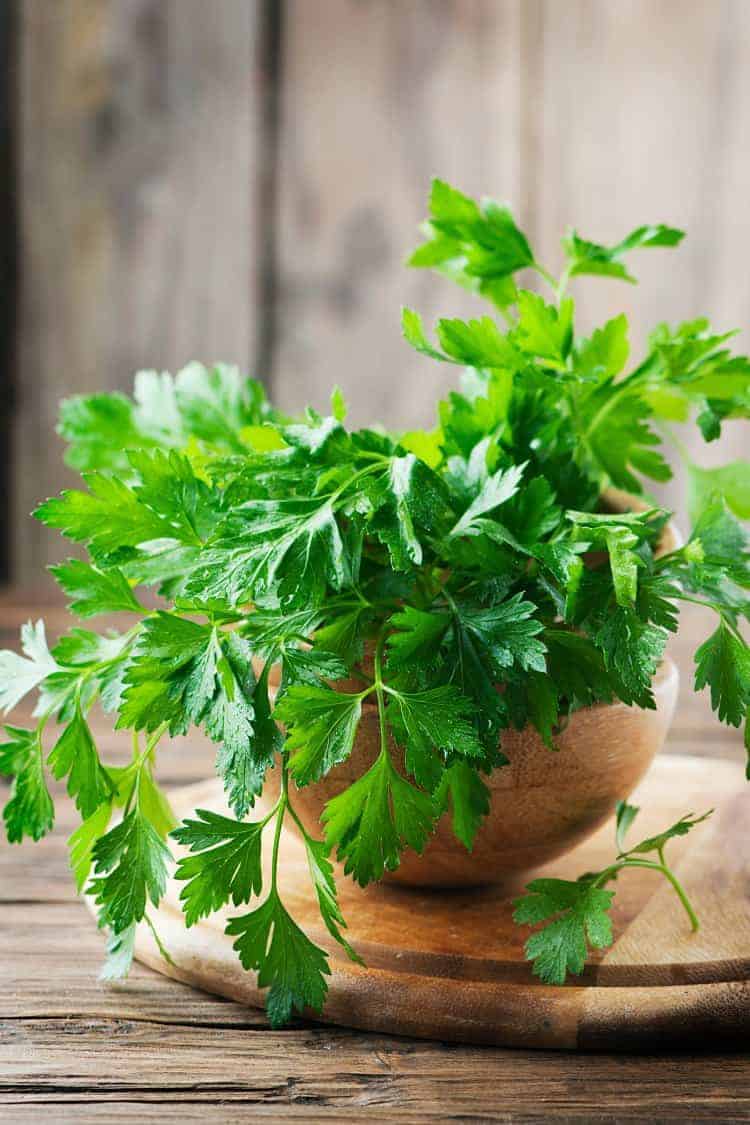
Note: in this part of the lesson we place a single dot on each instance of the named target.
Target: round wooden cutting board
(449, 965)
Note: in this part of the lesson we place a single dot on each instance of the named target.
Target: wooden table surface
(73, 1049)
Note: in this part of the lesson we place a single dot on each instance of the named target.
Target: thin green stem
(543, 273)
(159, 943)
(562, 284)
(381, 695)
(281, 807)
(664, 869)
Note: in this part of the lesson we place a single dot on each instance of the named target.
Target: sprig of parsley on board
(447, 584)
(575, 915)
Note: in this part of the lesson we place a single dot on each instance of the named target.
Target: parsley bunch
(416, 572)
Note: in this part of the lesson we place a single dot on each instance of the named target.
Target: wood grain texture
(642, 114)
(72, 1049)
(377, 98)
(138, 194)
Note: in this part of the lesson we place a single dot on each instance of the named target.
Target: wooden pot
(544, 802)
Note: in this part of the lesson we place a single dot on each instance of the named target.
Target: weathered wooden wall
(140, 127)
(241, 179)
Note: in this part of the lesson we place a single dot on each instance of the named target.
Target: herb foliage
(425, 569)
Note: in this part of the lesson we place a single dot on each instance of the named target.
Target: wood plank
(377, 98)
(308, 1073)
(643, 115)
(9, 255)
(138, 194)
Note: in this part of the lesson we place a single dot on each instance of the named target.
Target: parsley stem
(280, 810)
(665, 870)
(551, 281)
(380, 695)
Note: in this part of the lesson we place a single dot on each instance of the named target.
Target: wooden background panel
(167, 213)
(379, 96)
(138, 183)
(642, 113)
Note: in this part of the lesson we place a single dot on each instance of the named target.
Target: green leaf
(74, 756)
(592, 258)
(632, 651)
(309, 666)
(120, 953)
(130, 867)
(108, 517)
(95, 591)
(321, 873)
(495, 491)
(545, 331)
(477, 245)
(99, 428)
(620, 534)
(30, 811)
(343, 633)
(217, 403)
(577, 668)
(625, 815)
(605, 353)
(243, 765)
(432, 726)
(619, 437)
(81, 843)
(469, 799)
(321, 725)
(182, 673)
(723, 663)
(413, 331)
(416, 639)
(655, 843)
(21, 674)
(271, 943)
(477, 343)
(577, 918)
(508, 632)
(273, 550)
(410, 507)
(226, 863)
(168, 486)
(372, 821)
(731, 482)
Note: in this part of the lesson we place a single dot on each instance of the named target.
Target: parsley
(576, 914)
(449, 583)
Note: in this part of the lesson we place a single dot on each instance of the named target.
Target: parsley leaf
(21, 674)
(576, 913)
(577, 917)
(30, 811)
(286, 961)
(469, 799)
(592, 258)
(95, 591)
(225, 864)
(372, 821)
(75, 756)
(322, 726)
(130, 867)
(723, 663)
(432, 726)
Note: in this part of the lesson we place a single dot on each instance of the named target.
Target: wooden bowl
(544, 802)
